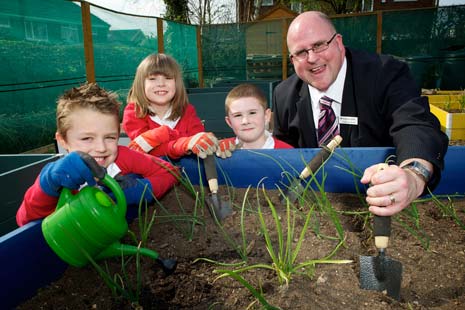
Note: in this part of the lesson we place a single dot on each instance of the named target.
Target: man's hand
(392, 189)
(201, 144)
(70, 171)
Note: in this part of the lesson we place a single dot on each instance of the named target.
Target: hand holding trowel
(381, 273)
(296, 189)
(217, 206)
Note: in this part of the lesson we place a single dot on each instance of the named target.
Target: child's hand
(152, 138)
(71, 172)
(201, 144)
(225, 148)
(133, 186)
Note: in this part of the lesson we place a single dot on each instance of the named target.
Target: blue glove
(70, 172)
(133, 185)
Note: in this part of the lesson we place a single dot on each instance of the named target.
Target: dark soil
(432, 255)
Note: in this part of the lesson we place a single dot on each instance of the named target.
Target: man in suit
(376, 102)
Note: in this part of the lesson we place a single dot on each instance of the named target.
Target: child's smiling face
(248, 118)
(160, 89)
(94, 133)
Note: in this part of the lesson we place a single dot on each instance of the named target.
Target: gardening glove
(70, 171)
(225, 148)
(134, 187)
(201, 144)
(152, 138)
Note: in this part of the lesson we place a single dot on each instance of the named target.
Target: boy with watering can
(88, 122)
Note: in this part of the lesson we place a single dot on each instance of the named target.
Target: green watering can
(88, 225)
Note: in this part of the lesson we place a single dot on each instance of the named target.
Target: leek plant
(283, 254)
(242, 247)
(257, 294)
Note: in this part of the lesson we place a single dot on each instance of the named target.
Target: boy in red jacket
(88, 121)
(248, 115)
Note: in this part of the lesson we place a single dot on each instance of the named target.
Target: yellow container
(452, 123)
(442, 100)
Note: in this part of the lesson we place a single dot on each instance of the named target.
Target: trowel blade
(219, 208)
(381, 275)
(293, 191)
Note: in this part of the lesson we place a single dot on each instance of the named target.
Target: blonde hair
(158, 64)
(88, 96)
(245, 90)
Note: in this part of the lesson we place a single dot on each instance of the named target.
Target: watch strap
(419, 169)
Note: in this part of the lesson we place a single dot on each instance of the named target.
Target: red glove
(225, 148)
(201, 144)
(152, 138)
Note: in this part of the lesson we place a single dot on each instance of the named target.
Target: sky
(157, 7)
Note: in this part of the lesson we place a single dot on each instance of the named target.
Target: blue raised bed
(28, 264)
(17, 173)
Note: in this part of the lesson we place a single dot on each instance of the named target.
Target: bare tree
(246, 10)
(204, 12)
(332, 6)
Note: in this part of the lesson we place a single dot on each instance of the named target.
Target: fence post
(199, 55)
(161, 45)
(88, 46)
(285, 26)
(379, 31)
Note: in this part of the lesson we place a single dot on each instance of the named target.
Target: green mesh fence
(358, 32)
(180, 41)
(120, 47)
(431, 41)
(42, 54)
(223, 53)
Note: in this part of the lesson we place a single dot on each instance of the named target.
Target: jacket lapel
(348, 107)
(304, 107)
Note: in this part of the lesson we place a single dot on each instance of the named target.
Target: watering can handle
(100, 173)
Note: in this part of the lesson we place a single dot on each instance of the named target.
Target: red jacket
(37, 204)
(188, 125)
(278, 144)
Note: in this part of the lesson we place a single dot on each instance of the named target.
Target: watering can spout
(117, 249)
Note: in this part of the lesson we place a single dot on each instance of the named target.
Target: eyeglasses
(317, 48)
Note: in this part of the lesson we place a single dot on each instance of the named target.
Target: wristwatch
(419, 169)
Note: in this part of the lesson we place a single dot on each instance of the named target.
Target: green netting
(119, 47)
(223, 53)
(180, 41)
(431, 41)
(358, 32)
(41, 55)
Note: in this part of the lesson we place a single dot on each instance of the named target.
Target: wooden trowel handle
(382, 231)
(382, 224)
(211, 174)
(320, 157)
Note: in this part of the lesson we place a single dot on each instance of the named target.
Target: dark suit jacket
(381, 92)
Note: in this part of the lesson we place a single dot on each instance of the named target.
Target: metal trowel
(381, 273)
(217, 206)
(296, 189)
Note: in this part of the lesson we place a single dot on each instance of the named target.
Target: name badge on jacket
(348, 120)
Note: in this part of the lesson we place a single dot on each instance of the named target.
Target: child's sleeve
(132, 125)
(36, 205)
(161, 174)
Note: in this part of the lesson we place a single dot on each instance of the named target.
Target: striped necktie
(327, 122)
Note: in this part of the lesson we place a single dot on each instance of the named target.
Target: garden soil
(430, 245)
